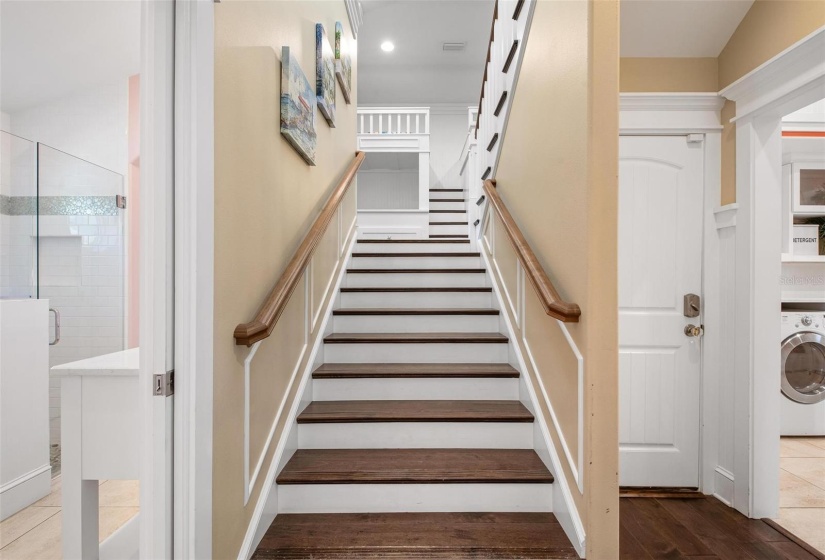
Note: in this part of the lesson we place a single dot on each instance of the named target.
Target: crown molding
(669, 113)
(710, 101)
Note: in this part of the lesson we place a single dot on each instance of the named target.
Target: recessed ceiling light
(387, 46)
(453, 46)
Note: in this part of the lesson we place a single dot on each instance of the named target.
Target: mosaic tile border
(59, 206)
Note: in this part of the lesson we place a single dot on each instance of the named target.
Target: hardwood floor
(698, 528)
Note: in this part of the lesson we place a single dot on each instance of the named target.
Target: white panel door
(660, 260)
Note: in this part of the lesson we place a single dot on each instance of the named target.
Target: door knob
(693, 330)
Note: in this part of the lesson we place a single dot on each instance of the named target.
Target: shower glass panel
(81, 253)
(18, 218)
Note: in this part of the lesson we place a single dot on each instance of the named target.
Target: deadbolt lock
(693, 305)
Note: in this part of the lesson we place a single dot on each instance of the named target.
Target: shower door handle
(56, 326)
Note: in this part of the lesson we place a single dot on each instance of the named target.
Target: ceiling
(419, 71)
(679, 28)
(54, 48)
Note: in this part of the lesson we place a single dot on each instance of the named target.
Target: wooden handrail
(553, 304)
(268, 314)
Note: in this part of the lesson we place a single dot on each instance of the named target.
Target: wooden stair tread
(319, 412)
(357, 371)
(416, 338)
(449, 223)
(446, 190)
(448, 211)
(415, 270)
(446, 200)
(412, 241)
(413, 311)
(412, 254)
(436, 536)
(416, 289)
(414, 466)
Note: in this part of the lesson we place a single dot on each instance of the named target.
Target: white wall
(5, 121)
(388, 190)
(448, 132)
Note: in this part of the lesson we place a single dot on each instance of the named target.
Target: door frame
(672, 114)
(178, 196)
(789, 81)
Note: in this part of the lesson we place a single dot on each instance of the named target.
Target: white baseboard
(25, 490)
(123, 544)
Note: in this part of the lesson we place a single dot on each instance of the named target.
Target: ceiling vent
(453, 47)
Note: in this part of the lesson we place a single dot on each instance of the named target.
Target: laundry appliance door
(803, 367)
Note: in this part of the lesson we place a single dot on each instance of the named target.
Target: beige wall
(562, 191)
(265, 199)
(668, 74)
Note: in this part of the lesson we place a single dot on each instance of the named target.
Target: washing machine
(803, 373)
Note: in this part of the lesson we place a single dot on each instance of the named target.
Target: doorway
(660, 312)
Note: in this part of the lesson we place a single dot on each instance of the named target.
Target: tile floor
(35, 532)
(802, 489)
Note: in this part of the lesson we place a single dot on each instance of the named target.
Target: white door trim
(194, 276)
(789, 81)
(692, 113)
(156, 336)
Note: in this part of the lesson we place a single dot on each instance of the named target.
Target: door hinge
(120, 201)
(164, 384)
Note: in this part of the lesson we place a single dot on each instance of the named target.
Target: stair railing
(260, 327)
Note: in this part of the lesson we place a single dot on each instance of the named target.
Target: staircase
(448, 214)
(415, 444)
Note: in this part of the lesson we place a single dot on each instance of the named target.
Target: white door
(660, 260)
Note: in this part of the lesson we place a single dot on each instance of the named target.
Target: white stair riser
(375, 498)
(438, 195)
(416, 279)
(460, 229)
(415, 323)
(412, 247)
(448, 216)
(416, 262)
(483, 353)
(425, 300)
(440, 205)
(439, 388)
(392, 435)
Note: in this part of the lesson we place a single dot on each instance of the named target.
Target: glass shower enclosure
(62, 221)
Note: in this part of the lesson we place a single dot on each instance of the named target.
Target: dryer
(803, 373)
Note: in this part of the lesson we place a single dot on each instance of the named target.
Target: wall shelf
(790, 258)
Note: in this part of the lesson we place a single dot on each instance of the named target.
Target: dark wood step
(411, 254)
(412, 371)
(416, 338)
(449, 236)
(446, 190)
(421, 290)
(414, 466)
(415, 270)
(448, 211)
(413, 241)
(414, 311)
(415, 536)
(449, 223)
(446, 200)
(324, 412)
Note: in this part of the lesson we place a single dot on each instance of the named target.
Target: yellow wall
(266, 197)
(562, 191)
(668, 74)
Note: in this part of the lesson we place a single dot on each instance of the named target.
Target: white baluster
(371, 129)
(408, 123)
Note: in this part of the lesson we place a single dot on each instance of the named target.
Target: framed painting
(343, 64)
(324, 75)
(297, 107)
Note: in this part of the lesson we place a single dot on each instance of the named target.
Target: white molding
(669, 113)
(788, 73)
(726, 216)
(355, 15)
(253, 532)
(194, 277)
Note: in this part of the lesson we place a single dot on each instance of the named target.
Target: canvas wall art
(343, 63)
(297, 107)
(324, 75)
